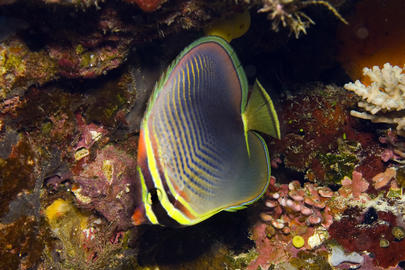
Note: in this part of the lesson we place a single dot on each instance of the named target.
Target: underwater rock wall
(75, 78)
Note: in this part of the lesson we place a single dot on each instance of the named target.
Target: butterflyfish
(199, 150)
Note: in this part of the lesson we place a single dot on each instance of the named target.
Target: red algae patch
(354, 233)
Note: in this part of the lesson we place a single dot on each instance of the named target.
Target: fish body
(197, 153)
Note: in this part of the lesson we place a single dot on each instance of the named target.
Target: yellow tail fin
(260, 114)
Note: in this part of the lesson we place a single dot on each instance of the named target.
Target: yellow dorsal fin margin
(260, 114)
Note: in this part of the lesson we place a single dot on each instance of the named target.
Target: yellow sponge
(230, 28)
(298, 241)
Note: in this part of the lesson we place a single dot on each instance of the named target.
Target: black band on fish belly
(160, 212)
(157, 208)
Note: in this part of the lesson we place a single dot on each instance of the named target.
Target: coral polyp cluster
(292, 207)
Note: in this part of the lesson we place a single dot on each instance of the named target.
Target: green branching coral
(288, 13)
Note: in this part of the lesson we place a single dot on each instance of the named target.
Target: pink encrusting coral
(384, 178)
(307, 211)
(354, 186)
(394, 146)
(290, 210)
(290, 206)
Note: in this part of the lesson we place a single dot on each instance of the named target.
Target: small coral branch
(384, 99)
(288, 13)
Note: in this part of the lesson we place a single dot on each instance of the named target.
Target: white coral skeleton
(384, 99)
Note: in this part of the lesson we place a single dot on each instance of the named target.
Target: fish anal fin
(260, 114)
(254, 180)
(235, 208)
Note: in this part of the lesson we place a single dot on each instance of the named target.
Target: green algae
(20, 67)
(306, 260)
(241, 261)
(14, 62)
(46, 128)
(398, 233)
(80, 243)
(341, 163)
(79, 49)
(87, 59)
(401, 177)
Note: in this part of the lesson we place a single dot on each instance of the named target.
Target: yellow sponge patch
(57, 209)
(298, 241)
(230, 28)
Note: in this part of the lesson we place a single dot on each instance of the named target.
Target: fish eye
(154, 195)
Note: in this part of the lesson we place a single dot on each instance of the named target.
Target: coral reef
(354, 234)
(75, 77)
(293, 207)
(294, 213)
(84, 244)
(383, 100)
(313, 218)
(386, 92)
(74, 55)
(107, 185)
(37, 148)
(288, 13)
(20, 67)
(21, 244)
(338, 257)
(320, 139)
(371, 224)
(66, 49)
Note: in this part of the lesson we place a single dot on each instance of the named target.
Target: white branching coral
(384, 98)
(386, 92)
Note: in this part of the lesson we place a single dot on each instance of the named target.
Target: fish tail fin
(260, 114)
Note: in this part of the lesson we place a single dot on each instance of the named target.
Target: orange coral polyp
(148, 5)
(375, 36)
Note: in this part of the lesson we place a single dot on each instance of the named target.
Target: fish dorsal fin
(260, 114)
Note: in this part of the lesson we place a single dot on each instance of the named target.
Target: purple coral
(107, 185)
